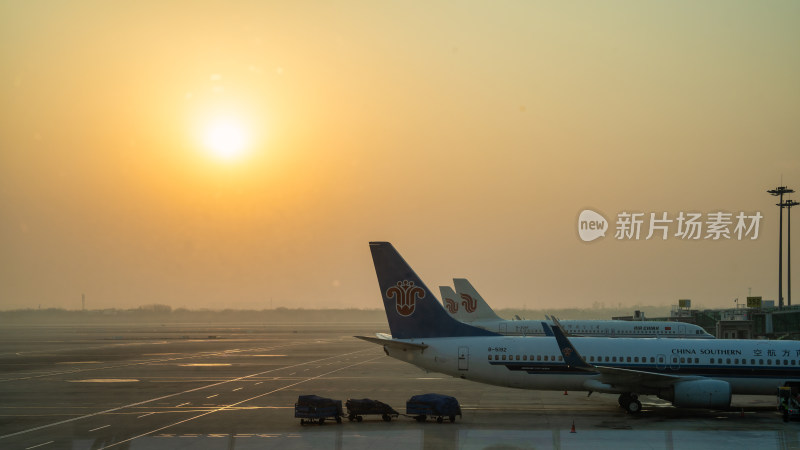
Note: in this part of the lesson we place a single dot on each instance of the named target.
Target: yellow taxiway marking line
(165, 396)
(228, 407)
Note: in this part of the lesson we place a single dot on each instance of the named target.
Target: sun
(226, 138)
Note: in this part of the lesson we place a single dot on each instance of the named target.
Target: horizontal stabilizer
(393, 343)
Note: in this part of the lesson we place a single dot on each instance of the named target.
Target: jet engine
(711, 394)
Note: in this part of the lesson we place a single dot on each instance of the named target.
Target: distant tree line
(159, 313)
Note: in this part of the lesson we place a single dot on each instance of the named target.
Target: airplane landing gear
(630, 402)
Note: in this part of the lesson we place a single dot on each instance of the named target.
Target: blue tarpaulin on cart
(317, 401)
(442, 404)
(368, 406)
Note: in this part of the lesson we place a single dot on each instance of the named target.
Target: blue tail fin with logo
(411, 308)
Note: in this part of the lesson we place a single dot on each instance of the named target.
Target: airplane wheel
(338, 419)
(321, 420)
(351, 417)
(421, 418)
(439, 419)
(359, 418)
(452, 419)
(634, 407)
(386, 418)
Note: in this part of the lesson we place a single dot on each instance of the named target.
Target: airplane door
(463, 358)
(682, 330)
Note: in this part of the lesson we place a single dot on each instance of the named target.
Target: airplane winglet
(568, 351)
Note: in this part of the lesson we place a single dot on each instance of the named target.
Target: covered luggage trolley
(358, 407)
(433, 405)
(310, 408)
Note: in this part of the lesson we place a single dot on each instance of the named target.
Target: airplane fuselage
(598, 328)
(750, 367)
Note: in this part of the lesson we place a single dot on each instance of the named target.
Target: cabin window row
(644, 359)
(769, 362)
(634, 359)
(525, 358)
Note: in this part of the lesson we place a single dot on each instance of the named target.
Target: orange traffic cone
(573, 427)
(565, 392)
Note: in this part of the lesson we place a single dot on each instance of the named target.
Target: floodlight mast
(778, 192)
(788, 205)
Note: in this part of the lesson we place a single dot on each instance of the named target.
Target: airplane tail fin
(411, 308)
(475, 307)
(450, 301)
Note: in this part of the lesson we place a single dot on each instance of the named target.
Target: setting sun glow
(227, 139)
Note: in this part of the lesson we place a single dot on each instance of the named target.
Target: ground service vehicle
(359, 407)
(433, 405)
(310, 408)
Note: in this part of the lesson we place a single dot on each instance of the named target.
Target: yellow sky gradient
(469, 134)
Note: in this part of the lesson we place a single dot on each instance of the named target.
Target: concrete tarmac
(234, 387)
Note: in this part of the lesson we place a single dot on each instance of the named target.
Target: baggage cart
(311, 408)
(434, 406)
(359, 407)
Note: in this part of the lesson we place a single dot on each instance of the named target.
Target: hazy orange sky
(469, 134)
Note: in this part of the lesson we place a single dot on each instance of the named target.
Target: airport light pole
(778, 192)
(788, 205)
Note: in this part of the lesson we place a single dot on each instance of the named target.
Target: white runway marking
(246, 400)
(182, 404)
(79, 362)
(145, 415)
(200, 355)
(105, 380)
(170, 396)
(35, 446)
(212, 396)
(99, 428)
(94, 347)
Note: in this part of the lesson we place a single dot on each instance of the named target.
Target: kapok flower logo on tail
(406, 295)
(591, 225)
(451, 305)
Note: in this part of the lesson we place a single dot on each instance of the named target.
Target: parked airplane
(690, 373)
(467, 305)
